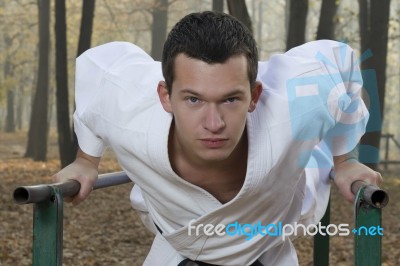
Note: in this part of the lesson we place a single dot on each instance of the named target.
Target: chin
(215, 157)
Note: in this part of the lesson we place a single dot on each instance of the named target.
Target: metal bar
(371, 197)
(367, 232)
(47, 248)
(371, 194)
(48, 219)
(389, 162)
(111, 179)
(39, 193)
(48, 230)
(395, 141)
(321, 242)
(387, 135)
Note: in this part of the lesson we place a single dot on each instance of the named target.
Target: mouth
(213, 143)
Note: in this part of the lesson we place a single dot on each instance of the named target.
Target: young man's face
(210, 105)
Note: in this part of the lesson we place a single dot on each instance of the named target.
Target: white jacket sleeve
(340, 86)
(344, 101)
(93, 68)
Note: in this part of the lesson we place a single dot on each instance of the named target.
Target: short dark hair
(211, 37)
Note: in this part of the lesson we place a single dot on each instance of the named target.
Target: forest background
(40, 40)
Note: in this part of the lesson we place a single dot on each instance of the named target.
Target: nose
(213, 121)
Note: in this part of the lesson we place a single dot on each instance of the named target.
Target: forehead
(202, 77)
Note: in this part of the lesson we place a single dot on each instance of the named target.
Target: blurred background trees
(39, 41)
(39, 124)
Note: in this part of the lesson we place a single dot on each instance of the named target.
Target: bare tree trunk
(260, 23)
(238, 9)
(85, 35)
(20, 106)
(297, 23)
(374, 19)
(363, 19)
(65, 142)
(38, 133)
(218, 5)
(159, 28)
(10, 118)
(326, 26)
(8, 69)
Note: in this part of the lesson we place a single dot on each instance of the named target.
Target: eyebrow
(236, 92)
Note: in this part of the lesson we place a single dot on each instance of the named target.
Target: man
(213, 142)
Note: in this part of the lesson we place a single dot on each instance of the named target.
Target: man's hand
(84, 170)
(348, 170)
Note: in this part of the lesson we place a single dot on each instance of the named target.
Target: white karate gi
(307, 94)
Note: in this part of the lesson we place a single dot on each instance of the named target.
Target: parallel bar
(321, 242)
(371, 194)
(39, 193)
(48, 219)
(367, 232)
(370, 201)
(111, 179)
(47, 248)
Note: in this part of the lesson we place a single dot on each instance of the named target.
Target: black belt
(188, 262)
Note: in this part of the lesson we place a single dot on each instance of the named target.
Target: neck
(223, 179)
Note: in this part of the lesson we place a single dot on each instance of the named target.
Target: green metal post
(367, 233)
(48, 230)
(47, 245)
(321, 242)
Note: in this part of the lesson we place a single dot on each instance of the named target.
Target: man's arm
(85, 170)
(348, 169)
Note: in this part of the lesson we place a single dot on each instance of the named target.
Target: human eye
(192, 99)
(231, 100)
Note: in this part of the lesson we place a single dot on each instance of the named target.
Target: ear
(255, 96)
(164, 96)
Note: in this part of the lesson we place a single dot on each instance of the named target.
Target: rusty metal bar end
(31, 194)
(373, 195)
(40, 193)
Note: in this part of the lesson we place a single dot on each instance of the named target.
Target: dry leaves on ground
(104, 230)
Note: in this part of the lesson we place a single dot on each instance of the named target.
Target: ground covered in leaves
(104, 230)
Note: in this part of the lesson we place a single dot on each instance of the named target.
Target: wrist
(346, 160)
(88, 160)
(339, 163)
